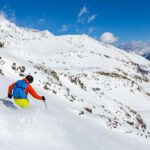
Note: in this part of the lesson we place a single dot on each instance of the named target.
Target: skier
(20, 91)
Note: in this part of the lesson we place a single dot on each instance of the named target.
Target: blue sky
(127, 20)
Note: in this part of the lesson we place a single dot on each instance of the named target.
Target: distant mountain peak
(138, 47)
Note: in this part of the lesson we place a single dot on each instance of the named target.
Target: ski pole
(45, 104)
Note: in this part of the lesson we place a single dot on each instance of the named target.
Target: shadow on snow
(8, 104)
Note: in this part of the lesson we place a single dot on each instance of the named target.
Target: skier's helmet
(29, 78)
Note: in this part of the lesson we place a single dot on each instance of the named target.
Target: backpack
(19, 89)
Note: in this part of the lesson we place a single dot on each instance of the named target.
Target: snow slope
(96, 94)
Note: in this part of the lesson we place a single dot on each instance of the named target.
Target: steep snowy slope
(96, 93)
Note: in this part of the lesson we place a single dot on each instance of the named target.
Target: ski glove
(9, 96)
(43, 98)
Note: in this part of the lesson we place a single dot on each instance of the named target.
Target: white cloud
(83, 11)
(135, 46)
(12, 16)
(138, 47)
(2, 16)
(108, 38)
(81, 16)
(91, 18)
(91, 29)
(63, 28)
(84, 16)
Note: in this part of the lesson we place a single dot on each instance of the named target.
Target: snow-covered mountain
(137, 47)
(98, 95)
